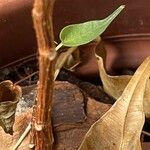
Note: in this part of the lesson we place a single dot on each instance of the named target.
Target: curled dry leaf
(115, 85)
(73, 60)
(121, 126)
(9, 97)
(62, 58)
(147, 100)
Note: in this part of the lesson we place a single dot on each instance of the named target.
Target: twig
(25, 133)
(146, 133)
(27, 77)
(42, 128)
(58, 46)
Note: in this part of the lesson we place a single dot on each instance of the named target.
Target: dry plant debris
(71, 122)
(115, 85)
(9, 97)
(120, 127)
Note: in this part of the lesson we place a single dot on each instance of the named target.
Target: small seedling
(83, 33)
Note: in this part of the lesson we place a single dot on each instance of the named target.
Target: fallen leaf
(73, 60)
(9, 97)
(61, 60)
(83, 33)
(115, 85)
(8, 141)
(147, 100)
(120, 127)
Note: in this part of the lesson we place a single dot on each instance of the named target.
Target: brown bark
(42, 128)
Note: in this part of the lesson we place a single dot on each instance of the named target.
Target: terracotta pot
(126, 39)
(17, 38)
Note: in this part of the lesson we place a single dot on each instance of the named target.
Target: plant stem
(58, 46)
(42, 128)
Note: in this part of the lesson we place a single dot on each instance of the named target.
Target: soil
(25, 73)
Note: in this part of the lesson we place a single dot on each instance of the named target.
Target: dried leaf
(73, 60)
(9, 97)
(121, 126)
(115, 85)
(147, 100)
(7, 141)
(62, 58)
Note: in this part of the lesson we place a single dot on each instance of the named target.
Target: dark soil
(24, 71)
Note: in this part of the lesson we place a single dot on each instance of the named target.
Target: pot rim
(128, 37)
(23, 60)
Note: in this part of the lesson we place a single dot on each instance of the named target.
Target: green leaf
(83, 33)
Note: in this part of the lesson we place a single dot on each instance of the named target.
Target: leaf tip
(122, 6)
